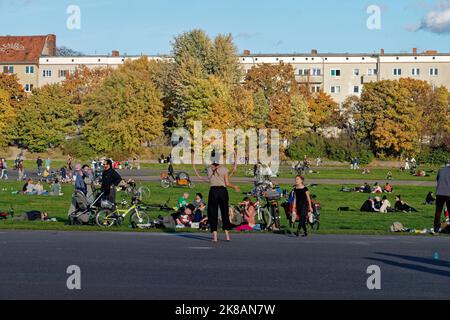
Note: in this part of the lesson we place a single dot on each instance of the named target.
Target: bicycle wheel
(139, 217)
(276, 217)
(165, 184)
(104, 218)
(266, 217)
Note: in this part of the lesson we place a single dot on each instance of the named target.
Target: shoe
(180, 226)
(297, 234)
(305, 235)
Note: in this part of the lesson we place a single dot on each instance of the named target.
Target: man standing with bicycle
(110, 180)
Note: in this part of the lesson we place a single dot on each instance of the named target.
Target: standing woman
(302, 204)
(218, 177)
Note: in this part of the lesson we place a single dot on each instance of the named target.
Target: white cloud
(437, 20)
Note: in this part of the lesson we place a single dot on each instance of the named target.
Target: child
(183, 201)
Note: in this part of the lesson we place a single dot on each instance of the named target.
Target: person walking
(39, 164)
(21, 170)
(442, 195)
(4, 170)
(219, 180)
(48, 164)
(302, 204)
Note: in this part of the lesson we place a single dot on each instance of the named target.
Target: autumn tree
(436, 122)
(323, 110)
(10, 83)
(123, 114)
(46, 120)
(388, 118)
(7, 118)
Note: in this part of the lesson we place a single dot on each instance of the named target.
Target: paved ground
(153, 176)
(186, 266)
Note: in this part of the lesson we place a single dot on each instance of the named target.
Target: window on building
(8, 69)
(335, 89)
(303, 72)
(372, 72)
(434, 72)
(316, 72)
(356, 89)
(335, 72)
(47, 73)
(72, 72)
(397, 72)
(28, 87)
(415, 71)
(316, 89)
(356, 72)
(29, 69)
(62, 73)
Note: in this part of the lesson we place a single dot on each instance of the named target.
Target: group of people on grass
(37, 188)
(383, 205)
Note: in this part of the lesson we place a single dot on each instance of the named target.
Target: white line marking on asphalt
(200, 248)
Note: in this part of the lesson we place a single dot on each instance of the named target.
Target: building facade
(34, 61)
(20, 56)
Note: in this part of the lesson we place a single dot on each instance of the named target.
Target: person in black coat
(110, 179)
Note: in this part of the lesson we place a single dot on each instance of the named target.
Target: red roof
(25, 48)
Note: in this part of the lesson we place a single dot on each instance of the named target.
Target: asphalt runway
(161, 266)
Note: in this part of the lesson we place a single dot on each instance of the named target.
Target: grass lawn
(332, 221)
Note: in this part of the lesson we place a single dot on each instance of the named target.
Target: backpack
(397, 227)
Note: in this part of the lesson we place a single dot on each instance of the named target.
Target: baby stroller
(85, 212)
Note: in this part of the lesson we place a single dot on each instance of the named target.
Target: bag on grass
(397, 227)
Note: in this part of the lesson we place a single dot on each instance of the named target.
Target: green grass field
(330, 198)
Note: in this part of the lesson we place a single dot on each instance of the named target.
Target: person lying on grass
(402, 206)
(33, 216)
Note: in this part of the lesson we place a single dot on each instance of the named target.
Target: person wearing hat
(442, 195)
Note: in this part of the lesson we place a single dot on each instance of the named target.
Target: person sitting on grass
(402, 206)
(388, 188)
(369, 206)
(56, 188)
(183, 201)
(365, 188)
(198, 200)
(377, 188)
(249, 211)
(39, 189)
(385, 205)
(430, 199)
(184, 216)
(199, 214)
(29, 187)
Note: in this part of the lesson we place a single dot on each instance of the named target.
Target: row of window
(335, 89)
(357, 72)
(61, 73)
(10, 69)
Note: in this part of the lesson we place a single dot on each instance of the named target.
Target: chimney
(247, 52)
(314, 51)
(382, 51)
(414, 50)
(51, 44)
(431, 52)
(115, 53)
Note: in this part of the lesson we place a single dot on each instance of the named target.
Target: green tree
(7, 118)
(124, 113)
(388, 118)
(46, 120)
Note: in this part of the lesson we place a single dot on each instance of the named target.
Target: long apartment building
(340, 75)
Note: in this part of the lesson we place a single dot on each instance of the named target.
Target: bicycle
(110, 215)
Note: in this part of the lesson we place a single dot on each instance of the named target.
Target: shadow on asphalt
(415, 267)
(193, 237)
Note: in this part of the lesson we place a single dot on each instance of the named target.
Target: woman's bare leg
(227, 233)
(215, 236)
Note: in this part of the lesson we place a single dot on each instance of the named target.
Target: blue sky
(262, 26)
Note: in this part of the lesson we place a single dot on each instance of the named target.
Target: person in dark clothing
(368, 206)
(39, 164)
(442, 195)
(430, 199)
(402, 206)
(170, 172)
(302, 204)
(110, 180)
